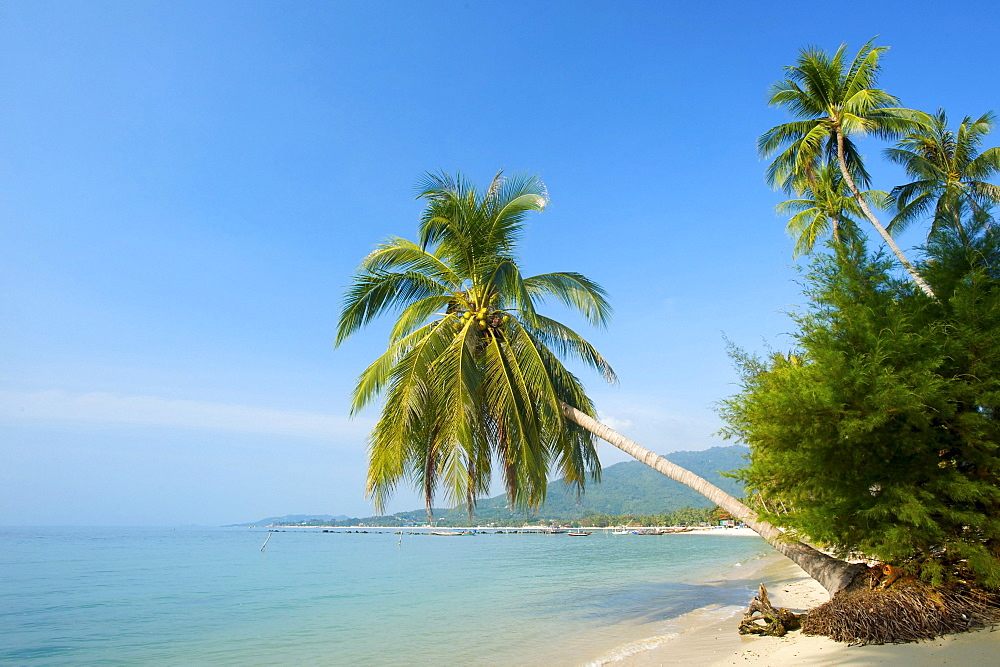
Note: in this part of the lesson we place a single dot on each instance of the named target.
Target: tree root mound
(862, 615)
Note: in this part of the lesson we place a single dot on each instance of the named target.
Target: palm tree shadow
(650, 603)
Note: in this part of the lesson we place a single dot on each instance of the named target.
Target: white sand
(709, 641)
(728, 532)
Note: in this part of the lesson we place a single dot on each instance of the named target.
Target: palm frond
(781, 135)
(381, 372)
(418, 312)
(947, 169)
(912, 207)
(575, 291)
(371, 295)
(508, 392)
(985, 165)
(568, 343)
(457, 379)
(401, 256)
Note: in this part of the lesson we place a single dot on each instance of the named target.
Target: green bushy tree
(878, 434)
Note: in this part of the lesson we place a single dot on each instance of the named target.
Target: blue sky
(185, 189)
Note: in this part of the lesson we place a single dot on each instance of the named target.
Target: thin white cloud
(615, 423)
(659, 426)
(106, 408)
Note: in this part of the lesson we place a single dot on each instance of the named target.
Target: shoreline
(489, 530)
(707, 637)
(709, 633)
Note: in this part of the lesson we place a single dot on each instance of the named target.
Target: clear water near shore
(198, 596)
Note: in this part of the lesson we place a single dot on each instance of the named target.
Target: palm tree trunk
(883, 232)
(833, 574)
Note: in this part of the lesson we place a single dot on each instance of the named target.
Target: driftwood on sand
(770, 621)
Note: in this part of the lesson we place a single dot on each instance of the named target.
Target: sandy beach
(706, 638)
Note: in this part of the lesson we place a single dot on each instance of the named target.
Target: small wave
(706, 615)
(627, 650)
(723, 612)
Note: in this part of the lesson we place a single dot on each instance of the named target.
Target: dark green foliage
(879, 433)
(685, 516)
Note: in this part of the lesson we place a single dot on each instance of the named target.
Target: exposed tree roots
(904, 613)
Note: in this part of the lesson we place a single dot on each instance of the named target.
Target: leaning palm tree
(833, 101)
(833, 574)
(825, 207)
(472, 379)
(950, 174)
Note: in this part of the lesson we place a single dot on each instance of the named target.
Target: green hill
(627, 488)
(293, 519)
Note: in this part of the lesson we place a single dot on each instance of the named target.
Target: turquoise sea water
(210, 596)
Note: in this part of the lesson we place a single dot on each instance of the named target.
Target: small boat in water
(452, 533)
(581, 533)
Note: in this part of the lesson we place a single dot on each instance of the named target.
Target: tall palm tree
(825, 207)
(472, 377)
(950, 174)
(833, 101)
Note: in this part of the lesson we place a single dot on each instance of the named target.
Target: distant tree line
(685, 516)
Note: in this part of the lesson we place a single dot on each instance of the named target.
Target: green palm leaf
(574, 291)
(372, 294)
(949, 175)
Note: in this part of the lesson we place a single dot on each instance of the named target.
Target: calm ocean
(210, 596)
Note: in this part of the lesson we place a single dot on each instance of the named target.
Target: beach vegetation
(897, 391)
(461, 400)
(877, 433)
(685, 516)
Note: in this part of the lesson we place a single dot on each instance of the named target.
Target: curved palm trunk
(883, 232)
(833, 574)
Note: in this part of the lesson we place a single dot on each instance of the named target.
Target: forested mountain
(295, 519)
(632, 488)
(628, 488)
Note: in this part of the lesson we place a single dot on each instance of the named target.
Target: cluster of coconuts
(481, 317)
